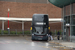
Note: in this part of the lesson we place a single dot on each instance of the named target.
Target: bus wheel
(47, 40)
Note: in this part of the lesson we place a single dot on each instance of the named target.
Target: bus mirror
(31, 28)
(49, 28)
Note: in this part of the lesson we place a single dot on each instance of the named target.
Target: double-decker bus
(40, 27)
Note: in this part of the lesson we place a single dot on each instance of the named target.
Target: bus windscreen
(40, 20)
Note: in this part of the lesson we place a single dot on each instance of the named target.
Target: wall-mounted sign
(67, 24)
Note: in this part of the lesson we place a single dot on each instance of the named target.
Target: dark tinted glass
(46, 19)
(40, 20)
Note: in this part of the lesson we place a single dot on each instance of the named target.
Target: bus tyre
(32, 40)
(47, 40)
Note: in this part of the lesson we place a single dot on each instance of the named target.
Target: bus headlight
(31, 28)
(49, 28)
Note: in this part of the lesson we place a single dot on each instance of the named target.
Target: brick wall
(26, 10)
(55, 26)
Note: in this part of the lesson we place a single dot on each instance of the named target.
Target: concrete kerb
(68, 44)
(14, 35)
(64, 44)
(54, 42)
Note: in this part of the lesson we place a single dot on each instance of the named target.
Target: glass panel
(73, 20)
(67, 19)
(72, 33)
(73, 30)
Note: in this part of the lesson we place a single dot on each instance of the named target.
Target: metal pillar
(23, 27)
(70, 19)
(8, 31)
(8, 23)
(16, 31)
(63, 14)
(2, 27)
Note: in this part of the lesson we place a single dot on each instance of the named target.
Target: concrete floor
(24, 43)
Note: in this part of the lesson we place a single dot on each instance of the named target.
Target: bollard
(8, 31)
(23, 32)
(16, 32)
(2, 32)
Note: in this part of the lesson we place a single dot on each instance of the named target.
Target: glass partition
(67, 20)
(73, 30)
(73, 20)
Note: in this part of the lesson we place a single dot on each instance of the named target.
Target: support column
(23, 27)
(8, 23)
(2, 27)
(70, 19)
(63, 14)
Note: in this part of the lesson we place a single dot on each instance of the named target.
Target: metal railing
(15, 32)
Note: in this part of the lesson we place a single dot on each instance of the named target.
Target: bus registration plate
(39, 38)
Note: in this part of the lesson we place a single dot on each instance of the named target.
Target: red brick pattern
(55, 26)
(26, 10)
